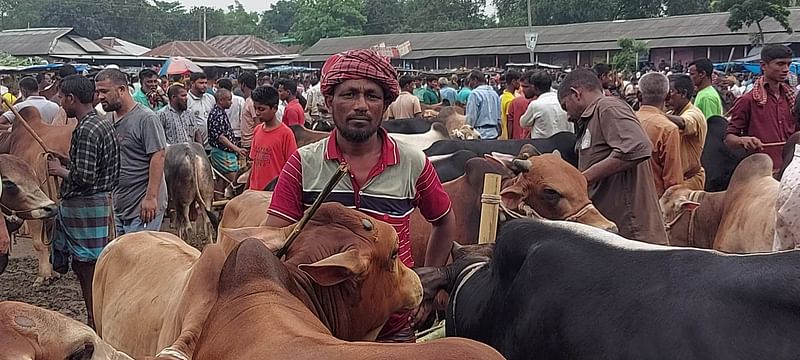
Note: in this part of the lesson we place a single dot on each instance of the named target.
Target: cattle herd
(558, 283)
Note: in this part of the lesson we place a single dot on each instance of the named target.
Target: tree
(627, 59)
(745, 13)
(686, 7)
(382, 16)
(328, 18)
(459, 15)
(280, 16)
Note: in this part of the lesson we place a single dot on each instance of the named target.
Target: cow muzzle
(589, 215)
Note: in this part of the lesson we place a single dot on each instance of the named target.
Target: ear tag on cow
(367, 224)
(689, 205)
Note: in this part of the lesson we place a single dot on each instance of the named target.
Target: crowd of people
(634, 141)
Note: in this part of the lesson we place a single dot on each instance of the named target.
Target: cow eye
(84, 353)
(9, 186)
(551, 194)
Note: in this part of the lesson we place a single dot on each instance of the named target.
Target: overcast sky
(261, 5)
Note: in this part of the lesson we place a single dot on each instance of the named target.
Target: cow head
(552, 188)
(21, 193)
(675, 202)
(348, 268)
(465, 132)
(30, 332)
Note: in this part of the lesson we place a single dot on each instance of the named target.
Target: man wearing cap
(387, 179)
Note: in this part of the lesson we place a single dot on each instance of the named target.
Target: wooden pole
(27, 126)
(490, 207)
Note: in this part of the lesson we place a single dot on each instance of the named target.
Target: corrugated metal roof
(187, 49)
(246, 46)
(675, 31)
(121, 47)
(86, 44)
(31, 42)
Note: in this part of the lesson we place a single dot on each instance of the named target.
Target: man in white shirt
(200, 104)
(30, 92)
(544, 116)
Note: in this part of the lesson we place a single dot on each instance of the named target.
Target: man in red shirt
(293, 114)
(762, 119)
(387, 179)
(516, 109)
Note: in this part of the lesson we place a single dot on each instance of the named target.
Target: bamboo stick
(490, 204)
(26, 125)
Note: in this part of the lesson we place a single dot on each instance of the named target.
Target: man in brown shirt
(693, 126)
(407, 105)
(664, 135)
(612, 148)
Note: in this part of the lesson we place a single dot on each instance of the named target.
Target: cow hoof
(3, 263)
(45, 281)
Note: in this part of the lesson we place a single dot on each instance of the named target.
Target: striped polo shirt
(402, 180)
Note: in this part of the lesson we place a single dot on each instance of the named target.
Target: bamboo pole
(490, 207)
(774, 144)
(340, 173)
(27, 126)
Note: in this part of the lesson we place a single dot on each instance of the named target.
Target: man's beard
(112, 106)
(181, 106)
(357, 135)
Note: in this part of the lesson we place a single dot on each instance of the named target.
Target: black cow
(557, 290)
(407, 126)
(717, 159)
(564, 142)
(450, 167)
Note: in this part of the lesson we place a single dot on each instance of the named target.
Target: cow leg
(42, 252)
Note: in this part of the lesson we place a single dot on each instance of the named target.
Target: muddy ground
(62, 294)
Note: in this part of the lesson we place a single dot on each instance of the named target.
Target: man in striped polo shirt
(387, 179)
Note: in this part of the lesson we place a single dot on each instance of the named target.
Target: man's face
(573, 103)
(434, 85)
(697, 77)
(776, 70)
(282, 93)
(200, 85)
(515, 84)
(265, 113)
(674, 99)
(68, 103)
(225, 101)
(528, 89)
(150, 84)
(608, 80)
(357, 107)
(180, 101)
(109, 95)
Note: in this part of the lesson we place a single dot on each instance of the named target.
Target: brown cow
(246, 210)
(691, 217)
(303, 136)
(168, 287)
(190, 184)
(546, 184)
(30, 332)
(21, 143)
(254, 284)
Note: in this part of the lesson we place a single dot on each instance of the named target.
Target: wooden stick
(26, 125)
(490, 203)
(774, 144)
(340, 173)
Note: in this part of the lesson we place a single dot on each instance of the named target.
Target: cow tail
(206, 207)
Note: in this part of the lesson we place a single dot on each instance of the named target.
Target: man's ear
(335, 269)
(329, 101)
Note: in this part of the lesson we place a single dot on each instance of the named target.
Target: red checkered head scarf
(360, 64)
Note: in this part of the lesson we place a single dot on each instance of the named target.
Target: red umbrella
(178, 65)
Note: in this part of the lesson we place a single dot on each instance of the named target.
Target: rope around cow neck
(464, 276)
(693, 196)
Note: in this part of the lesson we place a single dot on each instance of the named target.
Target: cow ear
(527, 151)
(335, 269)
(557, 153)
(272, 238)
(512, 196)
(689, 205)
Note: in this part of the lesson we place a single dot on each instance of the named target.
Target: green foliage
(319, 19)
(280, 16)
(549, 12)
(8, 60)
(745, 13)
(627, 58)
(443, 15)
(382, 16)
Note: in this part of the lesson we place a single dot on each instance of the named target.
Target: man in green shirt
(707, 99)
(430, 94)
(150, 95)
(463, 94)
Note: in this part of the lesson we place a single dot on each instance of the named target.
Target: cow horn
(454, 250)
(520, 165)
